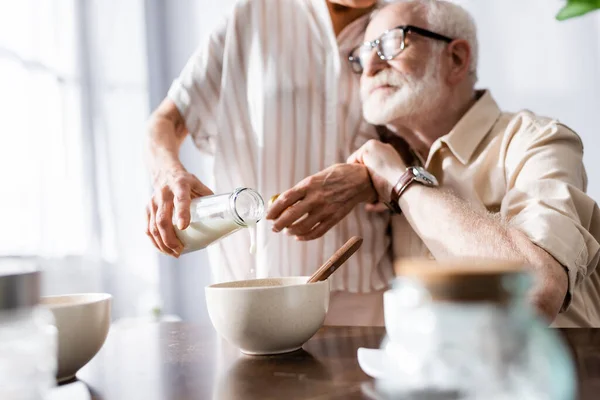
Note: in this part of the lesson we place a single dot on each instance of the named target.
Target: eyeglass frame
(375, 44)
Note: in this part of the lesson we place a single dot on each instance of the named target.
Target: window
(42, 197)
(73, 109)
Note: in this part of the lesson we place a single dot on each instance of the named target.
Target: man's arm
(449, 227)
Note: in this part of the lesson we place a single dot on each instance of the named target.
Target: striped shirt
(270, 95)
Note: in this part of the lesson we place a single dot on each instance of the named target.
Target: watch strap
(405, 180)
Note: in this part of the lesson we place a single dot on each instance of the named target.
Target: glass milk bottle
(215, 217)
(464, 329)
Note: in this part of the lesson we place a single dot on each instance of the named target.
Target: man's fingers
(292, 214)
(284, 201)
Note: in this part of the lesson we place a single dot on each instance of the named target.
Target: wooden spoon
(337, 259)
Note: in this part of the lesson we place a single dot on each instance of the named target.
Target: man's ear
(459, 60)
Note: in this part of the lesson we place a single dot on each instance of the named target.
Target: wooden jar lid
(462, 280)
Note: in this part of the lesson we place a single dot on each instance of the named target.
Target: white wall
(530, 60)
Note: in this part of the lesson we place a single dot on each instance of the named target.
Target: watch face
(424, 177)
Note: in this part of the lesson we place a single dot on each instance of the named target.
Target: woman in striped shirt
(271, 96)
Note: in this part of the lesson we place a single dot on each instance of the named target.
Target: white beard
(406, 98)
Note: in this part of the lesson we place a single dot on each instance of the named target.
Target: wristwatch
(412, 174)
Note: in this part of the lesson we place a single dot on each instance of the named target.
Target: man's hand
(317, 203)
(384, 164)
(173, 193)
(551, 281)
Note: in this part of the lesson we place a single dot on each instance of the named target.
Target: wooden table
(182, 361)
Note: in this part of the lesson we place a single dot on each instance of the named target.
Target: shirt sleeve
(546, 199)
(197, 90)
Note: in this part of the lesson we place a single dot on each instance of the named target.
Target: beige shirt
(530, 170)
(271, 95)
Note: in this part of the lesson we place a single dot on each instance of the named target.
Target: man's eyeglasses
(389, 45)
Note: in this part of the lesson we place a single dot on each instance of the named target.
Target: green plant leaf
(156, 312)
(576, 8)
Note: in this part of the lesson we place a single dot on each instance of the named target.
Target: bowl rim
(220, 286)
(97, 297)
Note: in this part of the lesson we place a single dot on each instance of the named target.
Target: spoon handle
(337, 259)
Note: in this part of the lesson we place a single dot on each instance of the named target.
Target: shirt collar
(472, 128)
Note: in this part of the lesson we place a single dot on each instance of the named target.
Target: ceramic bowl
(268, 316)
(82, 321)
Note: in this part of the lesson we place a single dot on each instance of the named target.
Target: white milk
(200, 234)
(252, 233)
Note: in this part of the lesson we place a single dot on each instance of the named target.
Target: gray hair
(452, 20)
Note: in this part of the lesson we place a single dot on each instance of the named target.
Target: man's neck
(342, 16)
(421, 131)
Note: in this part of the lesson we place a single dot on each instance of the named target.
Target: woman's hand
(317, 203)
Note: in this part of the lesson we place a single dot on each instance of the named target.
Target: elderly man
(483, 183)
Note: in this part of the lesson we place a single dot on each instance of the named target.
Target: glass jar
(28, 339)
(464, 330)
(215, 217)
